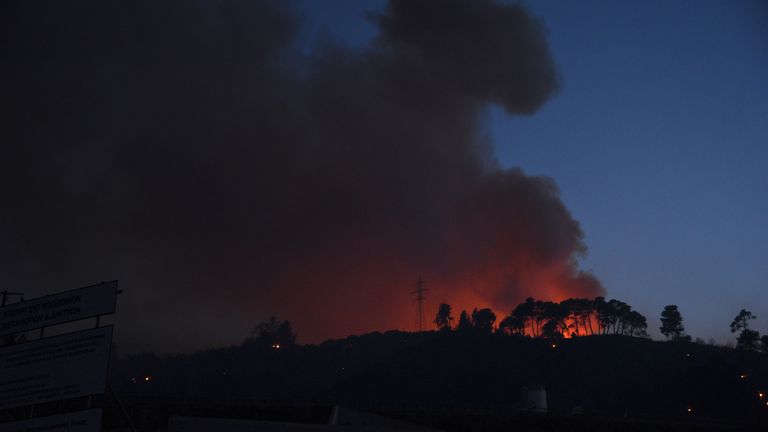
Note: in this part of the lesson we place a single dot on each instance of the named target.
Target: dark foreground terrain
(458, 382)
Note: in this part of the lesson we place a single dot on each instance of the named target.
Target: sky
(230, 161)
(657, 141)
(670, 141)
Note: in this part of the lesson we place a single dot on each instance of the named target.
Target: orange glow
(497, 281)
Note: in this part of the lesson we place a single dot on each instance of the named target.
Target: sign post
(67, 366)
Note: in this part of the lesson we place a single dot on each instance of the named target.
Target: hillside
(606, 376)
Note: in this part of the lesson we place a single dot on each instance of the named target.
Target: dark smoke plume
(190, 150)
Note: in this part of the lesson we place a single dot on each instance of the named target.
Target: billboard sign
(80, 421)
(55, 368)
(59, 308)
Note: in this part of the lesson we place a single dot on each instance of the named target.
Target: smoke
(190, 150)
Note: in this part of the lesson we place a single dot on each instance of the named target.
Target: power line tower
(420, 297)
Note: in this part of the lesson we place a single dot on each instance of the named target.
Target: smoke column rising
(189, 149)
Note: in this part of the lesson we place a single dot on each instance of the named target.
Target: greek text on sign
(56, 368)
(80, 421)
(59, 308)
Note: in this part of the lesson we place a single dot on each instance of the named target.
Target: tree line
(539, 318)
(747, 339)
(586, 317)
(547, 319)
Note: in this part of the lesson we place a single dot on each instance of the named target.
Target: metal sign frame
(32, 314)
(76, 421)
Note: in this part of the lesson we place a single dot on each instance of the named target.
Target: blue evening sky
(658, 141)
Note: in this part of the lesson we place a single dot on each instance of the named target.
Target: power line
(420, 297)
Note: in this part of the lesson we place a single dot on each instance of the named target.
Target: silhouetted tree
(586, 310)
(672, 323)
(579, 314)
(539, 315)
(512, 325)
(764, 343)
(525, 312)
(574, 317)
(741, 322)
(551, 330)
(623, 313)
(443, 319)
(465, 324)
(483, 319)
(273, 332)
(636, 324)
(613, 314)
(612, 317)
(603, 319)
(555, 315)
(747, 339)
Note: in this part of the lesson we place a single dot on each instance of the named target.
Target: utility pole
(420, 297)
(7, 294)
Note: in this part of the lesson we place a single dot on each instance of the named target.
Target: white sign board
(56, 368)
(81, 421)
(59, 308)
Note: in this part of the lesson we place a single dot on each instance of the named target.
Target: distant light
(687, 354)
(276, 346)
(742, 376)
(146, 378)
(690, 410)
(554, 345)
(760, 395)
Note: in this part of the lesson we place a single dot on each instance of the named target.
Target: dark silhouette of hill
(616, 377)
